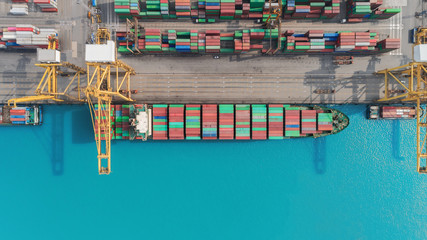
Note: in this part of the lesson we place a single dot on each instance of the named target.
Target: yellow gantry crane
(275, 8)
(107, 79)
(412, 77)
(47, 88)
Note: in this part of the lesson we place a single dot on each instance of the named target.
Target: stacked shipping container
(102, 132)
(118, 128)
(125, 121)
(275, 121)
(243, 121)
(210, 123)
(292, 122)
(192, 122)
(308, 122)
(242, 41)
(47, 5)
(160, 125)
(398, 112)
(226, 9)
(324, 121)
(127, 8)
(25, 36)
(176, 122)
(259, 121)
(18, 115)
(226, 121)
(357, 10)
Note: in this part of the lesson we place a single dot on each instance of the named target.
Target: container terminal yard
(211, 52)
(201, 78)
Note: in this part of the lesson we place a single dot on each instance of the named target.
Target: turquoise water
(358, 184)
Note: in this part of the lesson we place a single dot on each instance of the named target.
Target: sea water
(359, 184)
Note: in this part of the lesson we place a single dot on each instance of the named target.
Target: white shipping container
(8, 36)
(19, 11)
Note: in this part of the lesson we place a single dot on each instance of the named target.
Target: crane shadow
(82, 126)
(319, 155)
(57, 143)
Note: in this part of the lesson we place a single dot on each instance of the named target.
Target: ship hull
(222, 122)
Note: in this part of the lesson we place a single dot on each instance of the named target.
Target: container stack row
(308, 121)
(292, 123)
(183, 42)
(155, 41)
(210, 122)
(18, 115)
(117, 124)
(324, 122)
(125, 8)
(125, 121)
(240, 121)
(398, 112)
(153, 8)
(176, 121)
(25, 36)
(192, 122)
(275, 121)
(102, 131)
(213, 41)
(259, 121)
(243, 121)
(359, 42)
(182, 9)
(19, 9)
(226, 121)
(210, 10)
(160, 118)
(312, 9)
(388, 44)
(47, 5)
(358, 10)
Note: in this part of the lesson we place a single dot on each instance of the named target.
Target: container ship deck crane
(107, 78)
(412, 77)
(47, 88)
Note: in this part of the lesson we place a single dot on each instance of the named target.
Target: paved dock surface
(232, 78)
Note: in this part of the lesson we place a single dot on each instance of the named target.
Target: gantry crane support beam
(47, 89)
(413, 78)
(277, 23)
(104, 83)
(102, 131)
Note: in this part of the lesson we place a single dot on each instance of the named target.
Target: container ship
(221, 122)
(22, 115)
(391, 112)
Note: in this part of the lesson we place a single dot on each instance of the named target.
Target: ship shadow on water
(319, 155)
